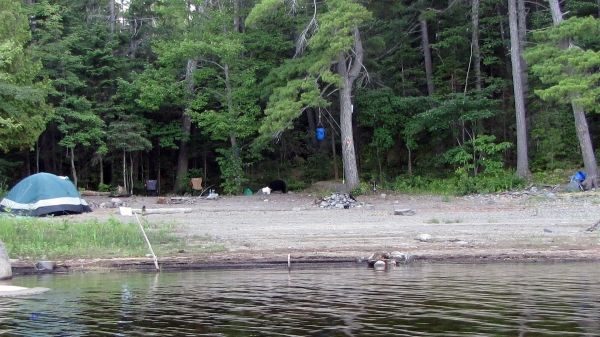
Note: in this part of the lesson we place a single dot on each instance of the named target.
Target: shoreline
(260, 231)
(169, 264)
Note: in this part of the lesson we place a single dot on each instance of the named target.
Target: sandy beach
(257, 230)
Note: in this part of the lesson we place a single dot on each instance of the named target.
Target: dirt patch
(259, 230)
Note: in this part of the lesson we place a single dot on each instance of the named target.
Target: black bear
(278, 185)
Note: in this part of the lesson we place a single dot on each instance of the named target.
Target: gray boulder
(5, 268)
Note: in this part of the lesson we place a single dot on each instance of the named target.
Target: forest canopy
(481, 94)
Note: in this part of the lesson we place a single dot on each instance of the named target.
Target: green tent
(44, 194)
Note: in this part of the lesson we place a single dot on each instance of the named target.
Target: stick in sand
(147, 241)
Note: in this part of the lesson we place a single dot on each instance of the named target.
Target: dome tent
(44, 194)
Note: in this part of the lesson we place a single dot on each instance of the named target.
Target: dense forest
(241, 92)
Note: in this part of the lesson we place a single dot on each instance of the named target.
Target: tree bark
(427, 57)
(336, 171)
(349, 67)
(101, 175)
(581, 124)
(475, 43)
(522, 24)
(236, 15)
(186, 123)
(73, 169)
(124, 170)
(112, 17)
(515, 56)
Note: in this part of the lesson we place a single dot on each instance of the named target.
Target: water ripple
(423, 300)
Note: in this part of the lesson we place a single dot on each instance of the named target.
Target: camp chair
(151, 187)
(197, 185)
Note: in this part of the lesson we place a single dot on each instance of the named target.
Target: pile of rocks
(383, 260)
(337, 200)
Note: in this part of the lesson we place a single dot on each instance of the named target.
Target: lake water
(561, 299)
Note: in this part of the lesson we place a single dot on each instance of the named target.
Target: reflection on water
(422, 300)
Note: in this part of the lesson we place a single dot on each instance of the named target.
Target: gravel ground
(536, 225)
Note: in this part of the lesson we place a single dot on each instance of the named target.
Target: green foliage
(556, 143)
(554, 177)
(3, 188)
(363, 188)
(232, 171)
(328, 35)
(23, 109)
(571, 74)
(453, 109)
(480, 155)
(317, 167)
(104, 188)
(458, 185)
(36, 237)
(504, 181)
(295, 185)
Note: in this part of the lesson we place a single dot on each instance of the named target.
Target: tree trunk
(112, 17)
(427, 57)
(186, 124)
(522, 24)
(101, 177)
(336, 171)
(37, 157)
(73, 170)
(581, 124)
(124, 170)
(236, 15)
(349, 75)
(409, 161)
(235, 149)
(475, 42)
(515, 56)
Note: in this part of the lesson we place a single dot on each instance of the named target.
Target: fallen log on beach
(161, 210)
(94, 194)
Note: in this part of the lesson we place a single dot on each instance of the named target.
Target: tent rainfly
(44, 194)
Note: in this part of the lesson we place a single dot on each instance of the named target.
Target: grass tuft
(38, 238)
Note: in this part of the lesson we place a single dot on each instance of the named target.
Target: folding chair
(151, 187)
(196, 185)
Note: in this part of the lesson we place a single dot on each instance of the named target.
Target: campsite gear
(320, 129)
(579, 176)
(320, 133)
(44, 194)
(575, 183)
(196, 185)
(150, 186)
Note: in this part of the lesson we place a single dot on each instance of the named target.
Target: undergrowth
(458, 184)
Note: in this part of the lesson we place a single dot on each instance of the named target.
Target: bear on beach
(278, 185)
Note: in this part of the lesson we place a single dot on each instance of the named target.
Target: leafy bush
(459, 185)
(294, 185)
(553, 177)
(104, 188)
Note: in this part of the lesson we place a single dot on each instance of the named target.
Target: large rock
(5, 268)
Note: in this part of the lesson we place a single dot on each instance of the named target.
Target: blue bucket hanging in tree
(320, 133)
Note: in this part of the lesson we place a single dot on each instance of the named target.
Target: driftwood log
(161, 210)
(594, 226)
(94, 194)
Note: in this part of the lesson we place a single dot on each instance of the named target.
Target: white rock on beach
(424, 237)
(5, 267)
